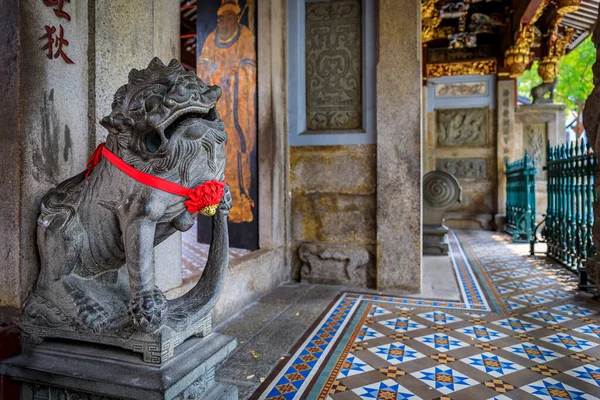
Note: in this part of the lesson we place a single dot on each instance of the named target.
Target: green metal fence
(520, 199)
(570, 215)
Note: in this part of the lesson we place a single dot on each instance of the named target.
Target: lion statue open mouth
(97, 230)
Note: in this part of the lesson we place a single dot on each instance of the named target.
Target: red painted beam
(530, 11)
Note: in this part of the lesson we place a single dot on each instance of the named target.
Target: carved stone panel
(462, 127)
(463, 167)
(535, 138)
(333, 65)
(461, 89)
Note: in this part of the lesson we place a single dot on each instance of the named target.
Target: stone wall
(461, 139)
(333, 198)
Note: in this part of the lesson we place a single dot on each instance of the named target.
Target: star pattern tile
(441, 342)
(444, 379)
(492, 364)
(541, 341)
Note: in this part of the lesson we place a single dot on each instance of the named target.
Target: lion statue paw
(146, 310)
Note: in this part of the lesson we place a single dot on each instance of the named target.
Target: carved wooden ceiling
(502, 37)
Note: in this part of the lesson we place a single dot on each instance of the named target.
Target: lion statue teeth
(96, 234)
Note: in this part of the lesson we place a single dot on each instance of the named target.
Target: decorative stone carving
(464, 127)
(96, 233)
(333, 65)
(535, 139)
(441, 191)
(333, 264)
(463, 167)
(540, 91)
(461, 89)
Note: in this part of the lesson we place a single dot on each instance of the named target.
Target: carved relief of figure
(228, 59)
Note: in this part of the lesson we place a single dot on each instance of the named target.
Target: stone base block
(500, 222)
(333, 264)
(67, 370)
(435, 240)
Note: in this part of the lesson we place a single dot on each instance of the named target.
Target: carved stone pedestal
(441, 190)
(69, 370)
(435, 241)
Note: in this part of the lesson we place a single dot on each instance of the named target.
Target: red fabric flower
(205, 195)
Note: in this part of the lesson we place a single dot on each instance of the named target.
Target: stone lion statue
(540, 91)
(97, 230)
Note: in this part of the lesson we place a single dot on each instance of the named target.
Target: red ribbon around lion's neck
(203, 198)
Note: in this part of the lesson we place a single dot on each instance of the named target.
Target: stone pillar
(43, 115)
(399, 85)
(128, 34)
(507, 95)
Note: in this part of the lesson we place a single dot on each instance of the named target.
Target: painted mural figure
(228, 59)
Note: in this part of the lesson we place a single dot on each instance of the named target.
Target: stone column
(399, 84)
(128, 34)
(43, 117)
(507, 145)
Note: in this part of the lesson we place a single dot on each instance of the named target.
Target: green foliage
(575, 78)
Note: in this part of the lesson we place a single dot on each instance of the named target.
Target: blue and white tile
(541, 281)
(503, 290)
(402, 324)
(531, 298)
(587, 373)
(551, 389)
(396, 353)
(440, 317)
(492, 364)
(500, 397)
(441, 342)
(556, 294)
(520, 285)
(569, 342)
(517, 325)
(533, 352)
(572, 309)
(591, 330)
(511, 274)
(387, 389)
(377, 311)
(353, 366)
(481, 333)
(511, 305)
(444, 379)
(547, 317)
(367, 333)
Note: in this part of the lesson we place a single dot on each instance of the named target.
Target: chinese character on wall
(54, 43)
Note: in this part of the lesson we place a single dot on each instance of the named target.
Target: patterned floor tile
(572, 309)
(352, 366)
(441, 342)
(492, 364)
(396, 353)
(367, 333)
(377, 311)
(533, 352)
(401, 324)
(517, 325)
(569, 342)
(587, 373)
(440, 317)
(547, 317)
(527, 332)
(551, 389)
(591, 330)
(499, 385)
(444, 379)
(481, 333)
(387, 389)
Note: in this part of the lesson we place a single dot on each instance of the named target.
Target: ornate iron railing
(570, 215)
(520, 199)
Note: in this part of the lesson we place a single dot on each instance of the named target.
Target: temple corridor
(519, 330)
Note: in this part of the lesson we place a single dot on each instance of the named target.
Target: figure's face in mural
(227, 25)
